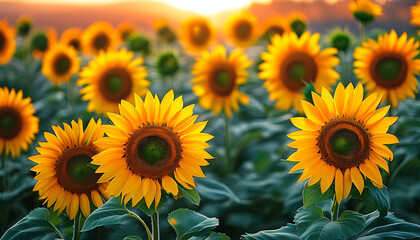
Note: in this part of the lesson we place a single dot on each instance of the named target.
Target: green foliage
(190, 194)
(287, 232)
(378, 196)
(313, 195)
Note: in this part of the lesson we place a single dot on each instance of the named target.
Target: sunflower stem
(131, 214)
(155, 225)
(334, 209)
(229, 164)
(77, 227)
(363, 31)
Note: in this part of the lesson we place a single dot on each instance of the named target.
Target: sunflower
(341, 39)
(110, 77)
(297, 22)
(274, 25)
(62, 171)
(41, 42)
(218, 77)
(99, 36)
(196, 34)
(167, 64)
(388, 66)
(7, 42)
(24, 25)
(163, 30)
(60, 63)
(292, 62)
(415, 15)
(365, 11)
(342, 138)
(71, 37)
(18, 125)
(152, 146)
(241, 29)
(125, 29)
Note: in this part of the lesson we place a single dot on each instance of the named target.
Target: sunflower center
(73, 172)
(273, 30)
(115, 84)
(40, 42)
(200, 33)
(10, 123)
(101, 41)
(243, 30)
(297, 69)
(2, 40)
(62, 64)
(75, 43)
(153, 151)
(341, 42)
(167, 64)
(389, 70)
(344, 143)
(222, 80)
(364, 17)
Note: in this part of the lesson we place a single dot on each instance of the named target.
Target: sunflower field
(273, 131)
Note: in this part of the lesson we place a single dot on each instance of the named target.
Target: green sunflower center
(10, 123)
(2, 40)
(62, 64)
(222, 78)
(341, 41)
(79, 171)
(222, 81)
(389, 68)
(24, 28)
(153, 149)
(298, 26)
(166, 34)
(345, 142)
(297, 71)
(101, 41)
(114, 84)
(200, 33)
(75, 43)
(167, 64)
(243, 30)
(139, 43)
(364, 17)
(40, 42)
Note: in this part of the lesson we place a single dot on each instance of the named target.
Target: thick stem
(230, 165)
(149, 235)
(363, 31)
(334, 209)
(77, 227)
(155, 225)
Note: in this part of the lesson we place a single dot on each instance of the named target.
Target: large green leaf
(188, 223)
(212, 236)
(306, 216)
(378, 196)
(313, 195)
(190, 194)
(287, 232)
(215, 190)
(132, 238)
(35, 226)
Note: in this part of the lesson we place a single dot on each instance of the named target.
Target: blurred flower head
(365, 11)
(196, 35)
(298, 22)
(24, 25)
(41, 41)
(167, 64)
(139, 43)
(274, 25)
(125, 29)
(241, 29)
(60, 63)
(99, 36)
(7, 42)
(72, 37)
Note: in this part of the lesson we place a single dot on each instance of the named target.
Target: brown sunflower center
(223, 80)
(10, 122)
(75, 43)
(73, 172)
(243, 29)
(101, 41)
(389, 70)
(273, 30)
(344, 143)
(297, 69)
(200, 33)
(115, 84)
(2, 40)
(62, 64)
(153, 151)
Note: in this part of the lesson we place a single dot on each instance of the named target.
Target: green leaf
(313, 195)
(132, 238)
(306, 216)
(213, 236)
(287, 232)
(188, 223)
(190, 194)
(36, 225)
(112, 212)
(351, 223)
(261, 161)
(378, 196)
(214, 190)
(150, 210)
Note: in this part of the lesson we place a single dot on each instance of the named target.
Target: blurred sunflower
(152, 146)
(62, 172)
(388, 66)
(164, 31)
(7, 42)
(24, 25)
(415, 15)
(365, 11)
(274, 25)
(41, 42)
(297, 22)
(196, 34)
(342, 138)
(18, 125)
(99, 36)
(110, 77)
(125, 29)
(60, 63)
(167, 64)
(291, 62)
(72, 37)
(241, 29)
(341, 39)
(139, 44)
(218, 77)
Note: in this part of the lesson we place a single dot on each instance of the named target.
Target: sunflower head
(152, 146)
(41, 41)
(274, 25)
(18, 125)
(7, 42)
(99, 36)
(60, 63)
(297, 23)
(292, 62)
(241, 29)
(164, 31)
(196, 34)
(24, 25)
(217, 78)
(125, 29)
(167, 64)
(342, 139)
(110, 77)
(388, 66)
(139, 43)
(415, 15)
(63, 176)
(71, 37)
(365, 11)
(341, 39)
